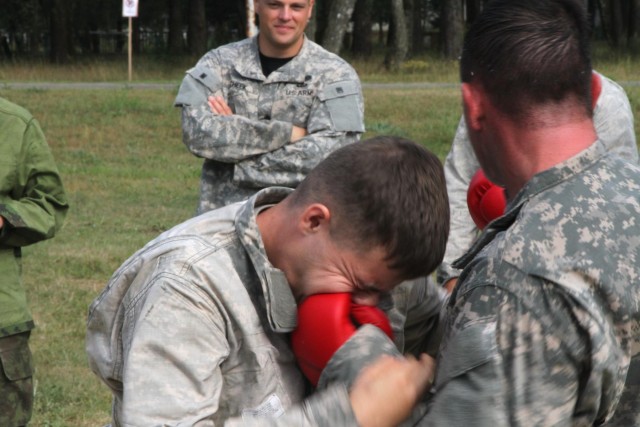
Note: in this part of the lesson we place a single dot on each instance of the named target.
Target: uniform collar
(279, 300)
(288, 73)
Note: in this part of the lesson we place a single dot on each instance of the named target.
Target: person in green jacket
(33, 205)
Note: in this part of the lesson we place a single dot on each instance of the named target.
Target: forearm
(230, 138)
(325, 408)
(423, 328)
(41, 205)
(290, 164)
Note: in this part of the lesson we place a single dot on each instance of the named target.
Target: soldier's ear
(311, 4)
(473, 100)
(315, 217)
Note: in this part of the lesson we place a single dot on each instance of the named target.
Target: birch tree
(338, 20)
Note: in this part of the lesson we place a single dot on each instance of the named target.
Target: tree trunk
(362, 46)
(452, 28)
(417, 32)
(616, 23)
(633, 31)
(197, 32)
(176, 44)
(397, 52)
(60, 32)
(339, 16)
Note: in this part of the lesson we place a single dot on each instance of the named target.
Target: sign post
(130, 10)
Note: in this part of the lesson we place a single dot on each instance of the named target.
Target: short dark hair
(528, 52)
(386, 191)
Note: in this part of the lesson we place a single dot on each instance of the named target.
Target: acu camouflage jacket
(250, 149)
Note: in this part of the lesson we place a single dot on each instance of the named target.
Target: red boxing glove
(325, 322)
(486, 200)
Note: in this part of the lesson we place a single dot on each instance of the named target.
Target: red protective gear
(325, 322)
(486, 200)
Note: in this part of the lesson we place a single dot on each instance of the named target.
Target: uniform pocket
(15, 358)
(341, 99)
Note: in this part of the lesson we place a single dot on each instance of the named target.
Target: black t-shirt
(269, 65)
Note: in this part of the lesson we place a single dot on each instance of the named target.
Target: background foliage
(63, 30)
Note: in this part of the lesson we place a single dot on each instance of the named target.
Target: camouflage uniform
(613, 120)
(250, 149)
(33, 204)
(193, 330)
(544, 326)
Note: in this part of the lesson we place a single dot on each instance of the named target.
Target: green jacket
(32, 202)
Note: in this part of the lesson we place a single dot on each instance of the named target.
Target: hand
(297, 133)
(386, 391)
(325, 322)
(1, 222)
(219, 106)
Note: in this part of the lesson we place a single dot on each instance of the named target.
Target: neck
(271, 51)
(532, 151)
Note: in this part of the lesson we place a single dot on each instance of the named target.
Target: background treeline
(61, 30)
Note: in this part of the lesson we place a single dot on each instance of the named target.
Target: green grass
(129, 177)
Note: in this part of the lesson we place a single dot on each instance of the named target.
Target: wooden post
(130, 48)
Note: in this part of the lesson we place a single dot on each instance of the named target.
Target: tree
(415, 8)
(362, 45)
(634, 23)
(452, 28)
(339, 16)
(397, 52)
(176, 43)
(60, 31)
(197, 32)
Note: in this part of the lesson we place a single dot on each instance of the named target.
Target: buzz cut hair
(386, 191)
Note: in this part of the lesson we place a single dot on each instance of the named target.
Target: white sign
(130, 8)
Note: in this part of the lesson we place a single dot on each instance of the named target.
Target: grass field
(129, 177)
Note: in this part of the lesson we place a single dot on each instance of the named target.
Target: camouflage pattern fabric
(544, 325)
(414, 312)
(613, 120)
(16, 384)
(250, 149)
(193, 330)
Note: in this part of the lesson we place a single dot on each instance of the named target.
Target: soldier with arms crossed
(264, 111)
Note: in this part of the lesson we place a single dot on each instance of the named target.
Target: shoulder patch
(198, 83)
(344, 103)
